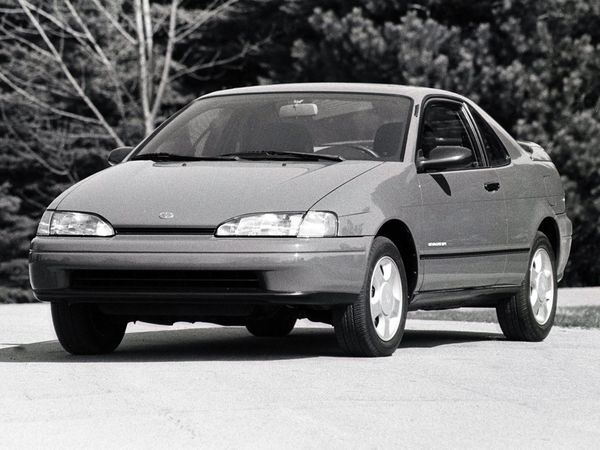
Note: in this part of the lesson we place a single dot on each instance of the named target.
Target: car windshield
(265, 126)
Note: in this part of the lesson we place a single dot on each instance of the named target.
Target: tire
(357, 333)
(517, 316)
(83, 330)
(279, 325)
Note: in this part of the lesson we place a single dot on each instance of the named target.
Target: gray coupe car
(348, 204)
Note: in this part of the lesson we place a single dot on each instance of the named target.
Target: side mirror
(445, 157)
(118, 155)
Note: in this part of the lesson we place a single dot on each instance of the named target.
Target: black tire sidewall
(383, 247)
(279, 325)
(541, 241)
(83, 330)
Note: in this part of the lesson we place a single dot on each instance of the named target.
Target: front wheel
(529, 315)
(374, 324)
(278, 325)
(83, 330)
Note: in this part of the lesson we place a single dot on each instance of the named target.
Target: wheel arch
(549, 227)
(399, 233)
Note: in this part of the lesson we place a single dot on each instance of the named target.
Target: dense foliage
(532, 65)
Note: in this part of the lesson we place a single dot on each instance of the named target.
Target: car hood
(206, 193)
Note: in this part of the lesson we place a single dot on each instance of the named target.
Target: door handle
(491, 186)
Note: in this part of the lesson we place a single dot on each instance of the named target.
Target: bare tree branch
(69, 75)
(148, 32)
(43, 104)
(27, 43)
(164, 78)
(115, 23)
(129, 20)
(208, 14)
(29, 153)
(109, 65)
(63, 26)
(32, 87)
(147, 26)
(216, 62)
(139, 22)
(158, 23)
(88, 35)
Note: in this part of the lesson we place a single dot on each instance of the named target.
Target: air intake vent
(165, 280)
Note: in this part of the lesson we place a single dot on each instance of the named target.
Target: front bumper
(292, 271)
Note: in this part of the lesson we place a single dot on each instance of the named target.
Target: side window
(494, 149)
(445, 124)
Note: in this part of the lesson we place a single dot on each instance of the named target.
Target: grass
(576, 316)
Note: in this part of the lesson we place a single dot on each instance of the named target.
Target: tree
(533, 65)
(79, 77)
(14, 231)
(112, 38)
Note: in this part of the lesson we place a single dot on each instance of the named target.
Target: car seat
(388, 139)
(282, 136)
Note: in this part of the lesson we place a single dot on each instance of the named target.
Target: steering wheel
(361, 148)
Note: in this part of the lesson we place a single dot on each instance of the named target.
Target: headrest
(282, 136)
(388, 139)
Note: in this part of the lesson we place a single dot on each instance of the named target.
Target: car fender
(364, 204)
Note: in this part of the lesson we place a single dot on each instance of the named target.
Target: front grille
(165, 230)
(165, 280)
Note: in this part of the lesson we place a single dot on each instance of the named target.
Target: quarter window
(494, 149)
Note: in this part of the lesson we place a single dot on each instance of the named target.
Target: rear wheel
(374, 324)
(278, 325)
(83, 330)
(529, 315)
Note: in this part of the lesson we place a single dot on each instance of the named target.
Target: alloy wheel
(386, 298)
(541, 286)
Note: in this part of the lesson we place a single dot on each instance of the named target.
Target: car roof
(415, 92)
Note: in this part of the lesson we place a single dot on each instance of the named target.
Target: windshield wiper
(163, 156)
(273, 154)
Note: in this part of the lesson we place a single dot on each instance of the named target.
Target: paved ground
(589, 296)
(450, 384)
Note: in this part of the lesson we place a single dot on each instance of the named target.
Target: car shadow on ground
(226, 344)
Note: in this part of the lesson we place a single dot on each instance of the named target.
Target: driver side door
(464, 229)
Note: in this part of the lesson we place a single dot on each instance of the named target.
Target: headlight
(318, 224)
(66, 223)
(311, 224)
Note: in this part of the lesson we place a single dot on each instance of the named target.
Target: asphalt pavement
(450, 384)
